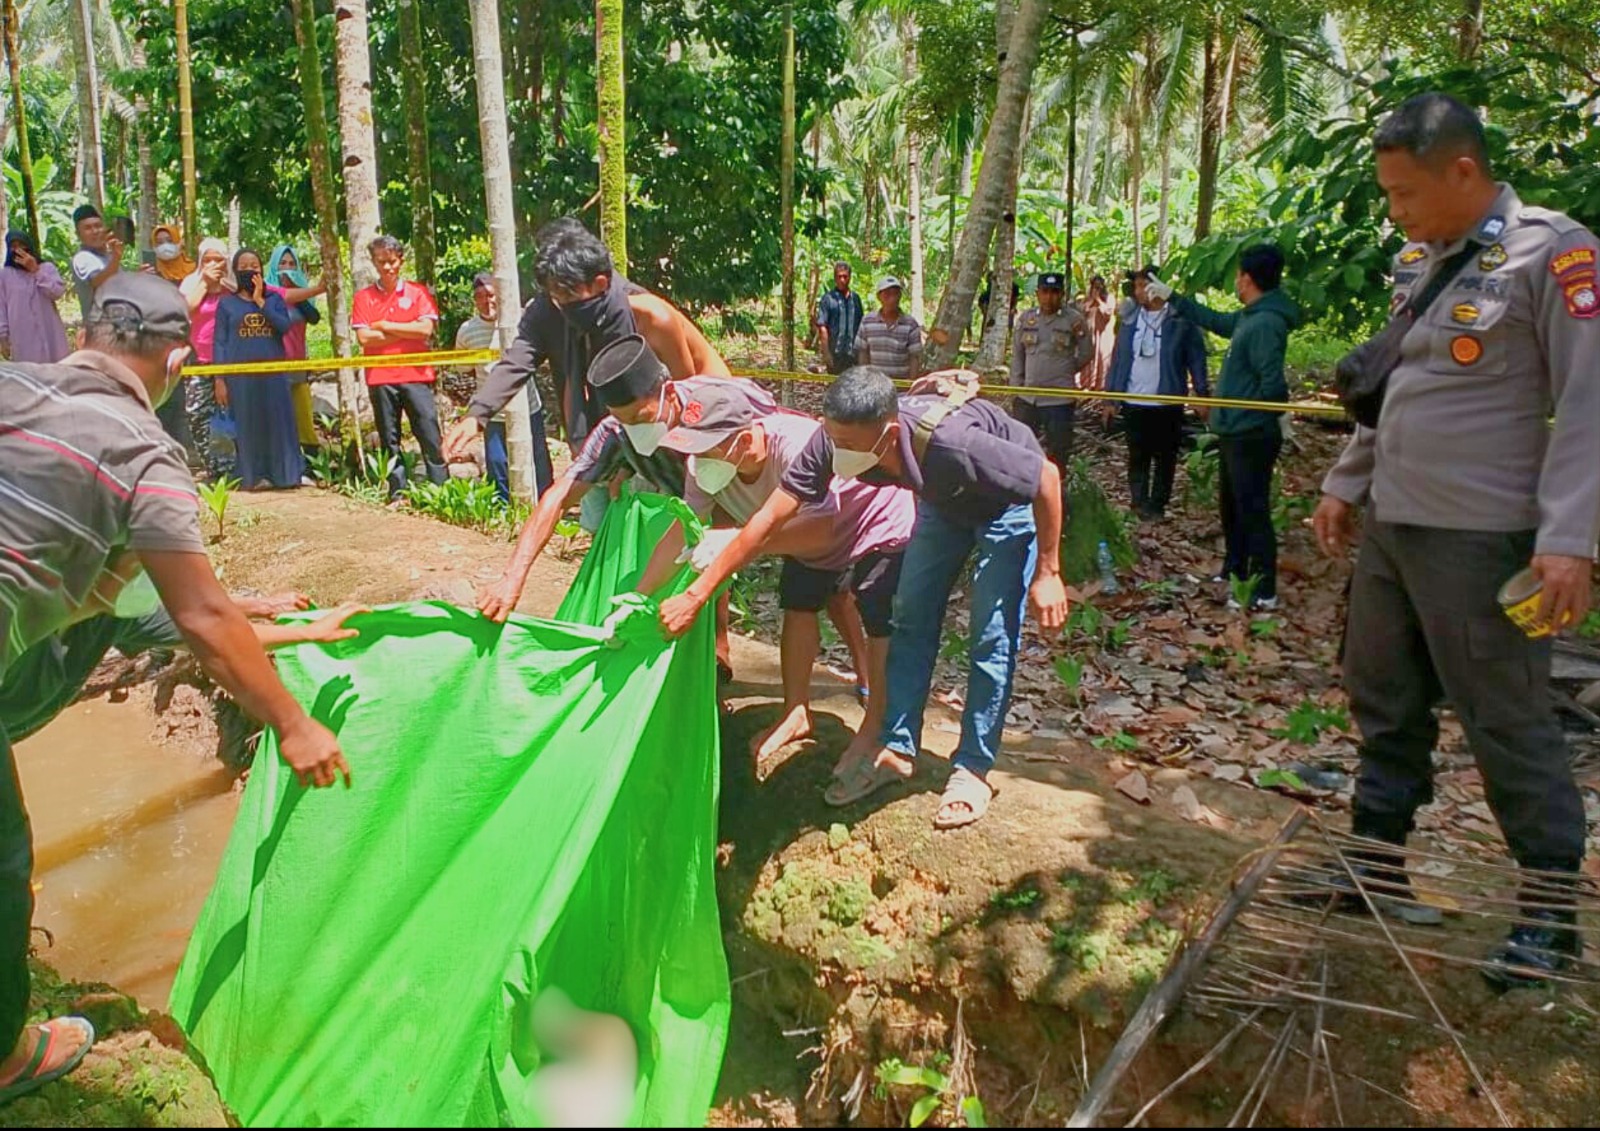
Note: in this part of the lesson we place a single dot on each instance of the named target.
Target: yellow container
(1520, 597)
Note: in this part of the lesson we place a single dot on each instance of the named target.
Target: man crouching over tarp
(984, 489)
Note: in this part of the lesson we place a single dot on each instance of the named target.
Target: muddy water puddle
(127, 837)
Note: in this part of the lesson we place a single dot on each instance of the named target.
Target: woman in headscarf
(30, 327)
(204, 288)
(251, 325)
(172, 263)
(285, 277)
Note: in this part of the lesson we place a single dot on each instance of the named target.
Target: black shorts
(873, 580)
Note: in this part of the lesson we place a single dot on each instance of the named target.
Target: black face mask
(247, 282)
(586, 314)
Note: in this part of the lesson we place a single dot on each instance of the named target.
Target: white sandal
(963, 788)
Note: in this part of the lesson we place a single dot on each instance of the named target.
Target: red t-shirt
(409, 302)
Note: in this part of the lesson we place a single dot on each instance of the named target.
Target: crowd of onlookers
(258, 428)
(1150, 345)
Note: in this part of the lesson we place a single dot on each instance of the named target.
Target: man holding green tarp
(482, 868)
(94, 492)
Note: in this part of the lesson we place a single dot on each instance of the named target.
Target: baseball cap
(625, 371)
(148, 304)
(483, 279)
(715, 411)
(1052, 281)
(887, 282)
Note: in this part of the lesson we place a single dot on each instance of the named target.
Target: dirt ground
(1001, 959)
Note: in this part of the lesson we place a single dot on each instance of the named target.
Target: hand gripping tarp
(534, 806)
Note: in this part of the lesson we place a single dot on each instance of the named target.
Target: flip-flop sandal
(861, 781)
(32, 1079)
(963, 788)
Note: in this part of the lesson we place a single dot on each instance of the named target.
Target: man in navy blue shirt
(839, 316)
(983, 487)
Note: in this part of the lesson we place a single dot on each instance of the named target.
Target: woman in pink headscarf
(1100, 311)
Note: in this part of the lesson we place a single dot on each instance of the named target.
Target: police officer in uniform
(1466, 482)
(1052, 343)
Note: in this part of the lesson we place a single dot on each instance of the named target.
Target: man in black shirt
(984, 486)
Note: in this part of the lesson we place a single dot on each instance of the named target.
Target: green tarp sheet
(534, 806)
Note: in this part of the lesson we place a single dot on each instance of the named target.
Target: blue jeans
(1007, 550)
(497, 459)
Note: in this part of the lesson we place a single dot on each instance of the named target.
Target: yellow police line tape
(328, 364)
(486, 356)
(1299, 408)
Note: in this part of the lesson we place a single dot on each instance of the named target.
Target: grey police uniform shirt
(1047, 352)
(1465, 440)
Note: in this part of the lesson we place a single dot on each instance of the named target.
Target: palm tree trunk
(914, 174)
(354, 69)
(1469, 31)
(413, 81)
(787, 194)
(502, 212)
(326, 202)
(1136, 174)
(191, 219)
(149, 211)
(8, 9)
(91, 145)
(1165, 212)
(1211, 114)
(1000, 152)
(235, 224)
(611, 128)
(1069, 181)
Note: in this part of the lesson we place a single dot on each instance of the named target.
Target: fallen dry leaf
(1135, 786)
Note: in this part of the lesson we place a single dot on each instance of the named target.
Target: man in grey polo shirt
(890, 339)
(92, 492)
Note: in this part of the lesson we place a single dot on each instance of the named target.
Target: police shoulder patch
(1572, 261)
(1582, 299)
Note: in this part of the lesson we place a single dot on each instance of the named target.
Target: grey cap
(715, 411)
(888, 282)
(133, 300)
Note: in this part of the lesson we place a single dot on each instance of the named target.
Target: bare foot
(793, 727)
(863, 748)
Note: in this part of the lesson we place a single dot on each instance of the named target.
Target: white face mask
(168, 251)
(646, 438)
(713, 475)
(848, 464)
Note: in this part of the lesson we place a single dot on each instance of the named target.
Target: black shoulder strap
(1447, 271)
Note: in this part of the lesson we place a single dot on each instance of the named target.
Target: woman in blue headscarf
(284, 276)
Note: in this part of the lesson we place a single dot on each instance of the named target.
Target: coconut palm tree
(610, 127)
(353, 66)
(490, 69)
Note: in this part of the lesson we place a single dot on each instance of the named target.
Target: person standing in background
(839, 315)
(1248, 440)
(1052, 346)
(285, 277)
(480, 332)
(890, 339)
(396, 317)
(173, 264)
(30, 325)
(1101, 312)
(203, 289)
(1157, 352)
(99, 255)
(251, 325)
